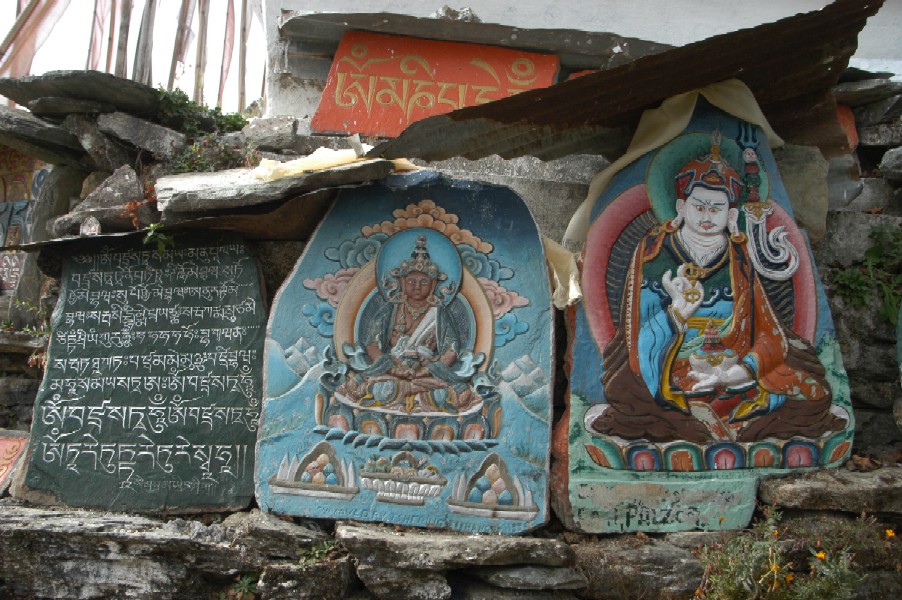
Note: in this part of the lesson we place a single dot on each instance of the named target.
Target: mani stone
(448, 278)
(151, 394)
(12, 448)
(165, 143)
(659, 436)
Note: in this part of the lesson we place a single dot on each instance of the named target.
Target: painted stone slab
(409, 363)
(703, 353)
(379, 84)
(151, 394)
(12, 449)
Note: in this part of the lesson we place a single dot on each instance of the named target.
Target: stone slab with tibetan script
(151, 395)
(409, 363)
(703, 354)
(379, 84)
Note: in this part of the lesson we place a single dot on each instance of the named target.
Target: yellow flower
(698, 592)
(821, 555)
(775, 567)
(790, 578)
(776, 532)
(890, 533)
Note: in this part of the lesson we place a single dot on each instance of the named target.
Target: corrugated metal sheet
(790, 66)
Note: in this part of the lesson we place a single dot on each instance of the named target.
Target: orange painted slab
(12, 445)
(380, 84)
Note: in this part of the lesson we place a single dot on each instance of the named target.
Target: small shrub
(880, 276)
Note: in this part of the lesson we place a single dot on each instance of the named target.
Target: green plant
(754, 564)
(178, 111)
(880, 276)
(41, 324)
(314, 554)
(244, 588)
(161, 240)
(211, 153)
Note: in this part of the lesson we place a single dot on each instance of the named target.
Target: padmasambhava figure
(413, 345)
(697, 326)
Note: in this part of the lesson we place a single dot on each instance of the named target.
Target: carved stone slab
(704, 353)
(409, 363)
(151, 395)
(379, 84)
(12, 449)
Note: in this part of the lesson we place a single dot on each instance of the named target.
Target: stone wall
(66, 553)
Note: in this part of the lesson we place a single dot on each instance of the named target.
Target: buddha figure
(411, 347)
(697, 326)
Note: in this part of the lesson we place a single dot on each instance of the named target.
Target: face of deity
(705, 212)
(417, 286)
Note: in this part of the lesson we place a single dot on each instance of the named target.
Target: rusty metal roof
(790, 65)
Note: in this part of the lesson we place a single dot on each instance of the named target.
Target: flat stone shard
(883, 134)
(127, 95)
(165, 143)
(891, 165)
(56, 107)
(409, 363)
(107, 154)
(271, 133)
(52, 144)
(150, 398)
(703, 355)
(848, 491)
(239, 188)
(866, 91)
(382, 547)
(325, 580)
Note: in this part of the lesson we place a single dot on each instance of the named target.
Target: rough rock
(468, 589)
(404, 584)
(127, 95)
(837, 489)
(883, 111)
(883, 134)
(626, 568)
(89, 554)
(383, 547)
(866, 91)
(107, 154)
(61, 186)
(108, 204)
(326, 580)
(897, 412)
(803, 170)
(843, 180)
(876, 195)
(32, 136)
(891, 165)
(92, 182)
(18, 391)
(877, 434)
(848, 237)
(238, 188)
(271, 133)
(163, 142)
(532, 578)
(54, 107)
(566, 180)
(267, 535)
